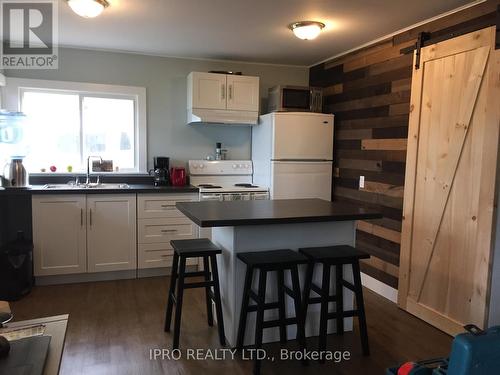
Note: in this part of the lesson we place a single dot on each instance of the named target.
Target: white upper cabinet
(59, 234)
(208, 90)
(222, 98)
(242, 93)
(111, 232)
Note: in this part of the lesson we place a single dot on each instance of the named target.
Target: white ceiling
(245, 30)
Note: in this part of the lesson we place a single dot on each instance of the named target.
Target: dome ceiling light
(88, 8)
(306, 30)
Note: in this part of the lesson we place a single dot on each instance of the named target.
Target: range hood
(214, 98)
(221, 116)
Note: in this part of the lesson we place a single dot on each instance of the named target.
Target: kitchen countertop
(264, 212)
(133, 188)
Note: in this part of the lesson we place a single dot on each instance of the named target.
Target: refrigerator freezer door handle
(302, 160)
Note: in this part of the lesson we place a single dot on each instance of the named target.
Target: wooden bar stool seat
(271, 261)
(194, 248)
(337, 256)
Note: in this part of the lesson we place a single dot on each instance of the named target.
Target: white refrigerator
(292, 154)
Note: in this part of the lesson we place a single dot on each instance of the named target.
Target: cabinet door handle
(168, 206)
(230, 92)
(90, 216)
(81, 217)
(223, 91)
(169, 230)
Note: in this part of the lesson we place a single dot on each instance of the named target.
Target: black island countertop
(264, 212)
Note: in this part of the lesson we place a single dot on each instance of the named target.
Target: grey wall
(165, 81)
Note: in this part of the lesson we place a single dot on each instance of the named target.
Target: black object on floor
(337, 256)
(195, 248)
(27, 356)
(16, 268)
(268, 261)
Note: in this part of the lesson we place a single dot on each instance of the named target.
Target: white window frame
(15, 87)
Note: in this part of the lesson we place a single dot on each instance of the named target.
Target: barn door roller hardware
(425, 38)
(422, 37)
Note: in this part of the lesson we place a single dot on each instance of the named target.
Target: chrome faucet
(88, 168)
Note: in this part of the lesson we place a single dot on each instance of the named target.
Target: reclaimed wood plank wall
(369, 93)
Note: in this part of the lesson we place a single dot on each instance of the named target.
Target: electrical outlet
(361, 182)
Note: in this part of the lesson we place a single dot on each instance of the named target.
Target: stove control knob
(240, 165)
(235, 166)
(202, 166)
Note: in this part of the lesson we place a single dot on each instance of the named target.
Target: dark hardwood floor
(113, 325)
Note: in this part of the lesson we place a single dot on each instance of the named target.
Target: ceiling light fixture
(88, 8)
(306, 30)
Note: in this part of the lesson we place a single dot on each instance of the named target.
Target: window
(65, 125)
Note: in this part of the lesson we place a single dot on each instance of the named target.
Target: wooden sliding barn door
(450, 182)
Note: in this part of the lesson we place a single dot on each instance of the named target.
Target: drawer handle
(165, 255)
(169, 230)
(168, 207)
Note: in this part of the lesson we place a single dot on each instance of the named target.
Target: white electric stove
(225, 180)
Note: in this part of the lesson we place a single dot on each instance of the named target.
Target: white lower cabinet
(76, 234)
(160, 222)
(158, 255)
(111, 232)
(59, 234)
(164, 230)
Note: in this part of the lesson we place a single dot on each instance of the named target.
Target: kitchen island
(242, 226)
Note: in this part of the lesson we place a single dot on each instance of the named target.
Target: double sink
(86, 186)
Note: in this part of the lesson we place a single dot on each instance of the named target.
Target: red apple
(53, 168)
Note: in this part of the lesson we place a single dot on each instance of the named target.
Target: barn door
(450, 182)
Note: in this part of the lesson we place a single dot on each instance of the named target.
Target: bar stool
(195, 248)
(337, 256)
(269, 261)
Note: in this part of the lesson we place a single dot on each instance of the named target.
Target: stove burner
(246, 185)
(209, 186)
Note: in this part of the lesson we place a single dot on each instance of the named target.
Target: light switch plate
(361, 182)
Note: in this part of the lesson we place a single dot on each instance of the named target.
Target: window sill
(93, 174)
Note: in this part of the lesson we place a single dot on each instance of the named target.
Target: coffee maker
(161, 171)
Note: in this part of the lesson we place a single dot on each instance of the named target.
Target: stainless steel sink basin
(106, 186)
(85, 186)
(60, 186)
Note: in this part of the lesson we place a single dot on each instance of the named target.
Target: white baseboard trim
(379, 287)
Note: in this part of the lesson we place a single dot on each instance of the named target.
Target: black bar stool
(195, 248)
(337, 256)
(269, 261)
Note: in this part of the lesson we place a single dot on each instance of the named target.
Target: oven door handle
(210, 197)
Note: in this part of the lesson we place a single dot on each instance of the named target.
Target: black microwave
(295, 99)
